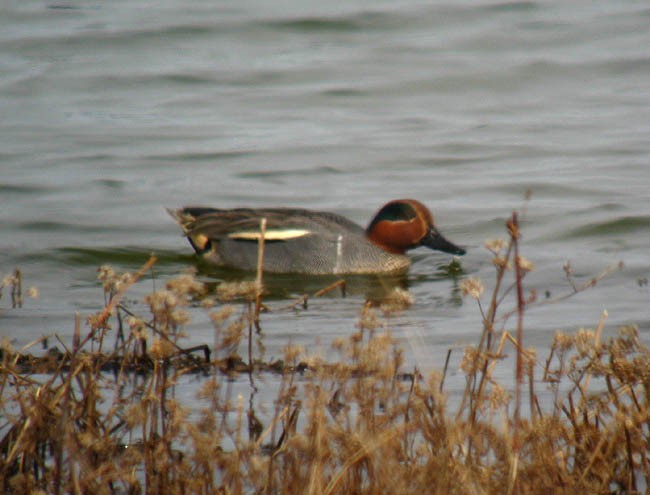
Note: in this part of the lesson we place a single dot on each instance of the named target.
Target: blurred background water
(112, 111)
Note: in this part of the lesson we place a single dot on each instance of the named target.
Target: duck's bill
(435, 240)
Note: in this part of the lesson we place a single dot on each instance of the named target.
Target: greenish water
(113, 111)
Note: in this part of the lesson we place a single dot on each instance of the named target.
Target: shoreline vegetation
(101, 420)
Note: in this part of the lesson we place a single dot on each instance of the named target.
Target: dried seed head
(585, 341)
(629, 332)
(368, 319)
(208, 302)
(530, 358)
(525, 264)
(314, 361)
(470, 360)
(180, 317)
(339, 343)
(186, 285)
(105, 272)
(472, 287)
(234, 290)
(501, 262)
(568, 269)
(292, 352)
(513, 229)
(136, 414)
(498, 397)
(222, 314)
(98, 321)
(161, 348)
(123, 280)
(562, 341)
(233, 334)
(396, 301)
(135, 324)
(495, 245)
(5, 345)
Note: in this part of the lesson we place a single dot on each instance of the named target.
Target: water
(113, 111)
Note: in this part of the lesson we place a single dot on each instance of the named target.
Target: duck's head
(405, 224)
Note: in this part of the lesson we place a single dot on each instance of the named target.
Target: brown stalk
(338, 284)
(444, 371)
(76, 337)
(117, 297)
(472, 391)
(17, 289)
(513, 227)
(260, 273)
(304, 299)
(631, 479)
(362, 452)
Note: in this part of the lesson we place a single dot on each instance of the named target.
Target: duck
(310, 242)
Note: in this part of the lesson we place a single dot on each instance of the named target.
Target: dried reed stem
(17, 289)
(513, 228)
(260, 272)
(118, 295)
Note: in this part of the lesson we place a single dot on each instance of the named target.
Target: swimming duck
(312, 242)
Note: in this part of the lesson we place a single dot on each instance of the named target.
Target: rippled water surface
(112, 111)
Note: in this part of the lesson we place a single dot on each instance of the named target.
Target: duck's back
(296, 241)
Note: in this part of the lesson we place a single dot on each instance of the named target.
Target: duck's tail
(182, 217)
(186, 218)
(188, 214)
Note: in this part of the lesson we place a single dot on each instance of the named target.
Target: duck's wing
(282, 224)
(216, 223)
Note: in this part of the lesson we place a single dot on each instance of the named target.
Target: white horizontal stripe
(271, 235)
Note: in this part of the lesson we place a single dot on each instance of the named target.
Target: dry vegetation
(357, 426)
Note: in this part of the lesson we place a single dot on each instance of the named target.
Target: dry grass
(360, 425)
